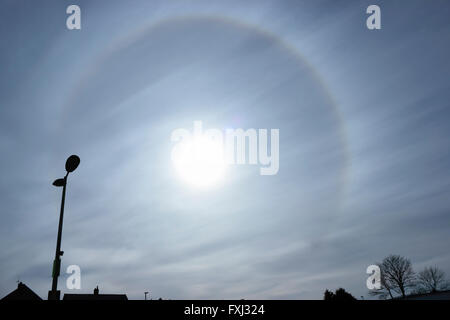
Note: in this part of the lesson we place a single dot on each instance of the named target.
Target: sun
(199, 161)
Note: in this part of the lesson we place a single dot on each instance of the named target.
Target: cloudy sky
(363, 118)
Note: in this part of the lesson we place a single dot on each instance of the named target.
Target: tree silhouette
(339, 295)
(431, 279)
(397, 277)
(328, 295)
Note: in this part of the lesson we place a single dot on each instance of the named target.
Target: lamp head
(59, 182)
(72, 163)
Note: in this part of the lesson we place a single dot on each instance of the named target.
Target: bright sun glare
(199, 161)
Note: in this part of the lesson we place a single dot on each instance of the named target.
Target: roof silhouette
(436, 295)
(22, 293)
(95, 296)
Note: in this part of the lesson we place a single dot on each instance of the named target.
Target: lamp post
(71, 164)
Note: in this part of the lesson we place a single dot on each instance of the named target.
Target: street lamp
(71, 164)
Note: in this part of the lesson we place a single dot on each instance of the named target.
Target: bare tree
(385, 290)
(397, 277)
(431, 279)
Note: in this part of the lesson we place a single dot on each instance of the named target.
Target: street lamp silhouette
(71, 164)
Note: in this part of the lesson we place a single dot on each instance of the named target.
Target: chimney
(96, 291)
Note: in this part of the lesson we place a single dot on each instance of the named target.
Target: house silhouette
(22, 293)
(95, 296)
(434, 295)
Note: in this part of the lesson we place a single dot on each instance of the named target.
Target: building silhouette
(435, 295)
(95, 296)
(22, 293)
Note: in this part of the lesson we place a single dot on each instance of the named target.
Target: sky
(363, 118)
